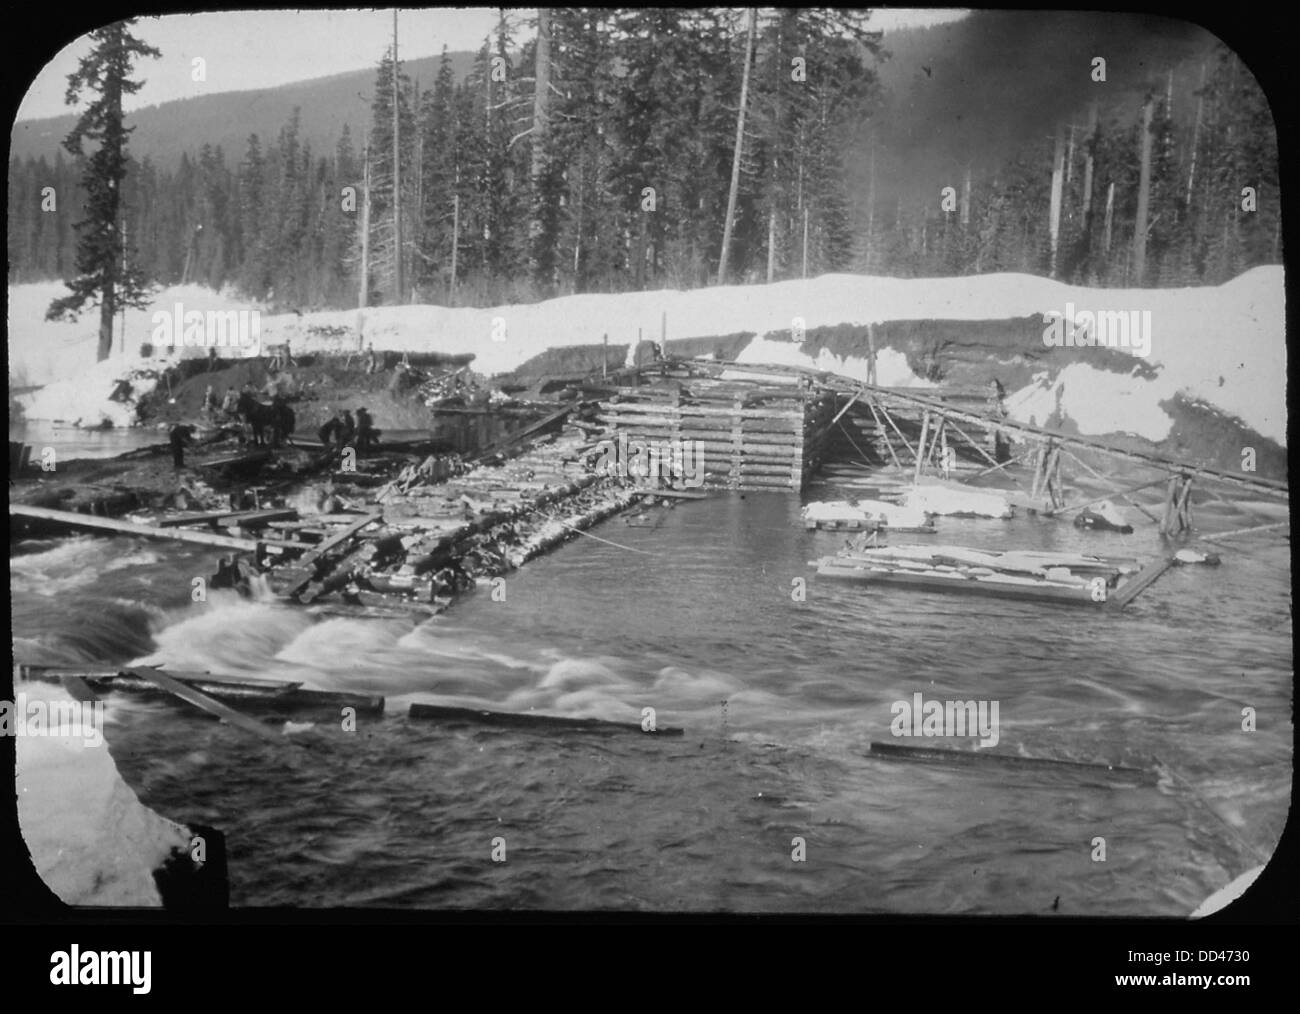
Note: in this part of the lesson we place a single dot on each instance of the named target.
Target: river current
(696, 614)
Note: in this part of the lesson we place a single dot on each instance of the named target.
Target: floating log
(540, 723)
(248, 692)
(975, 758)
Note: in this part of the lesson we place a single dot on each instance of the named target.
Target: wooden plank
(976, 758)
(1135, 585)
(208, 704)
(316, 553)
(76, 520)
(506, 719)
(304, 569)
(1099, 499)
(199, 518)
(254, 519)
(79, 689)
(1212, 536)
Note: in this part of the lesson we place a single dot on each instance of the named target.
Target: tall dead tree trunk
(1088, 148)
(363, 296)
(540, 134)
(1110, 214)
(397, 174)
(740, 144)
(1196, 137)
(1054, 223)
(1144, 195)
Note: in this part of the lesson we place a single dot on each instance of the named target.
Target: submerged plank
(1135, 585)
(557, 723)
(975, 758)
(208, 704)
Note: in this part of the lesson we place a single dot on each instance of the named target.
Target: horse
(278, 417)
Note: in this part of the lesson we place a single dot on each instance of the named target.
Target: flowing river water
(779, 700)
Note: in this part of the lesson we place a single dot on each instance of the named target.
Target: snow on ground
(62, 355)
(1224, 344)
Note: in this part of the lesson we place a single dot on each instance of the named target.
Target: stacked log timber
(753, 436)
(439, 535)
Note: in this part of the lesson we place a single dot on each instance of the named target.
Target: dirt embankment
(960, 353)
(317, 386)
(968, 354)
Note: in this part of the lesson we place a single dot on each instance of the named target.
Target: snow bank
(62, 355)
(1223, 344)
(1099, 402)
(91, 839)
(936, 498)
(888, 514)
(86, 396)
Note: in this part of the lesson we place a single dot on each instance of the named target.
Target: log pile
(752, 435)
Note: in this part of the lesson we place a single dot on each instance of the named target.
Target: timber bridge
(767, 427)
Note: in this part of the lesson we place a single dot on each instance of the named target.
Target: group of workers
(342, 430)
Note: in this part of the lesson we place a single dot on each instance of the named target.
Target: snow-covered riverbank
(1224, 345)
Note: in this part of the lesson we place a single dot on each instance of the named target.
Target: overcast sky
(262, 49)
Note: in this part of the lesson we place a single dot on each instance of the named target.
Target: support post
(920, 447)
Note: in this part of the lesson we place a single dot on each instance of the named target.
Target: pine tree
(106, 270)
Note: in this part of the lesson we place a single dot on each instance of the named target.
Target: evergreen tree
(105, 269)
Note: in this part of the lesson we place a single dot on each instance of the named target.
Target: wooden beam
(1212, 536)
(200, 518)
(306, 571)
(557, 723)
(1257, 483)
(1137, 584)
(208, 704)
(1127, 499)
(75, 520)
(889, 444)
(254, 519)
(1105, 496)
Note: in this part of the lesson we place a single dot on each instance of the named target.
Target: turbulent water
(779, 700)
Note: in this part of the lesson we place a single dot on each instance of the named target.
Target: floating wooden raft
(518, 720)
(279, 695)
(1069, 578)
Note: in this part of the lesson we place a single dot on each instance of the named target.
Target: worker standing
(179, 436)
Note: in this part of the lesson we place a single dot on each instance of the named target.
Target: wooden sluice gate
(748, 433)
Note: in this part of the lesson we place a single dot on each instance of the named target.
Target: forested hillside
(617, 175)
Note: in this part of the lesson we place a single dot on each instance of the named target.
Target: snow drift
(1222, 344)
